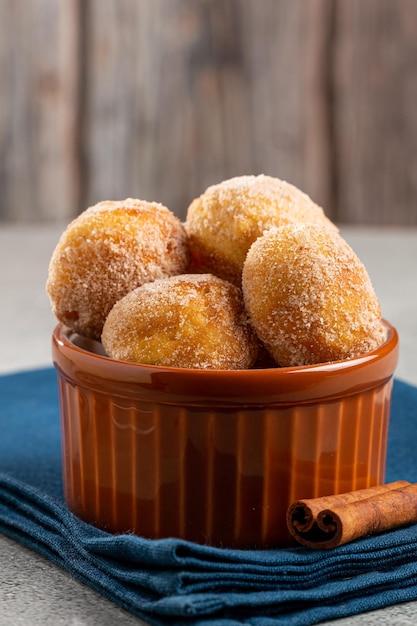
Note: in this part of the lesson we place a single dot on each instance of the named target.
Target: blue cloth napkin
(173, 582)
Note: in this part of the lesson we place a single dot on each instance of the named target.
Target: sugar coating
(108, 250)
(191, 321)
(228, 217)
(309, 296)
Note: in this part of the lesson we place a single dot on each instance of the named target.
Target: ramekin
(216, 456)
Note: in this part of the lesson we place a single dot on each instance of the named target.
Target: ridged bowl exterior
(216, 456)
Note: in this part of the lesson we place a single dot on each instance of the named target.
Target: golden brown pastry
(108, 250)
(227, 218)
(309, 297)
(189, 321)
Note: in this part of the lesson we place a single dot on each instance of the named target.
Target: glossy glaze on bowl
(216, 456)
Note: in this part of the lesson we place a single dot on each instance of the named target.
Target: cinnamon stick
(331, 521)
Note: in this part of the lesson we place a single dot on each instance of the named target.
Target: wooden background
(158, 99)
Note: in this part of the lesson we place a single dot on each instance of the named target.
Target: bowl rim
(67, 336)
(272, 385)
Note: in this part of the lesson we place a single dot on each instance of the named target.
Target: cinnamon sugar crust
(309, 296)
(108, 250)
(228, 217)
(191, 321)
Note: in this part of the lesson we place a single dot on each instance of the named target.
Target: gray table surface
(33, 591)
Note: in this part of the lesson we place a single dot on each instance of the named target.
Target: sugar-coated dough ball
(228, 217)
(309, 297)
(108, 250)
(188, 321)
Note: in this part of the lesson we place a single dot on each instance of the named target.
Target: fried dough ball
(309, 297)
(190, 321)
(108, 250)
(228, 217)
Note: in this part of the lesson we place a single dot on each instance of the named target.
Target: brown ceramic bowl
(216, 456)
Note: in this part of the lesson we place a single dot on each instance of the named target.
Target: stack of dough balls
(118, 274)
(257, 276)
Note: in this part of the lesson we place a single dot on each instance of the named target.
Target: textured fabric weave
(176, 582)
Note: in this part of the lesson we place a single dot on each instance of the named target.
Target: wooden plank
(375, 76)
(39, 109)
(286, 50)
(183, 94)
(319, 157)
